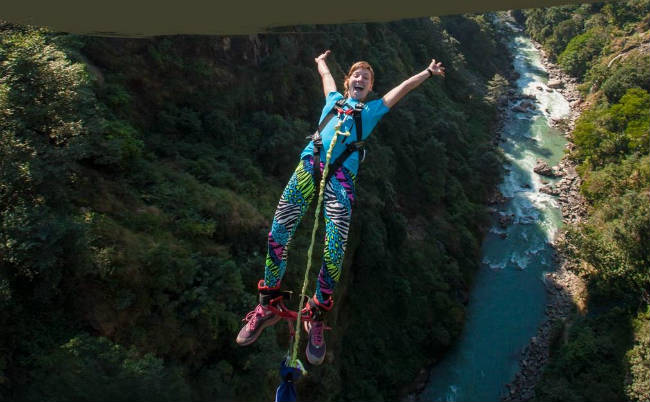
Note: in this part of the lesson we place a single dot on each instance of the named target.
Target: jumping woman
(345, 114)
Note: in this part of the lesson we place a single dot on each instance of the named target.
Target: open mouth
(358, 88)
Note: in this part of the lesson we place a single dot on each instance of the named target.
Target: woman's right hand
(322, 57)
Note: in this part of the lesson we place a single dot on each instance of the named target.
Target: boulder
(543, 169)
(549, 189)
(498, 198)
(528, 105)
(555, 84)
(506, 220)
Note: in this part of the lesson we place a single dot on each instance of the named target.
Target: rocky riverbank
(565, 289)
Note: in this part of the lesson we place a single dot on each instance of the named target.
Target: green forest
(138, 179)
(603, 353)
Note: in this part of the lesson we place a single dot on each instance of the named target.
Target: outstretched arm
(394, 95)
(328, 81)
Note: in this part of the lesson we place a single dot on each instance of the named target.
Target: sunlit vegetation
(606, 355)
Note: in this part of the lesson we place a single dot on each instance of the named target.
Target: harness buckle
(316, 139)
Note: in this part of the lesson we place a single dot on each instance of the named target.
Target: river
(508, 299)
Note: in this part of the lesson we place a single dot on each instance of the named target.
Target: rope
(321, 192)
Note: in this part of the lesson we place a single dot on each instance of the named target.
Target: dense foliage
(606, 353)
(138, 179)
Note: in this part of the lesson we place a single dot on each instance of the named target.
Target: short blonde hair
(356, 66)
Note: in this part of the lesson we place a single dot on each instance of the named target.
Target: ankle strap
(313, 301)
(317, 310)
(272, 295)
(261, 287)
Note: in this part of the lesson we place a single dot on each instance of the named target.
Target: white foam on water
(519, 261)
(534, 250)
(550, 105)
(497, 231)
(494, 265)
(452, 394)
(511, 26)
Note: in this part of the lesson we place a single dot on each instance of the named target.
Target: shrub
(581, 50)
(633, 71)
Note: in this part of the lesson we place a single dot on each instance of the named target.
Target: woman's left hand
(323, 56)
(436, 68)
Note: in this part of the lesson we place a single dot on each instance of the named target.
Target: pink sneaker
(315, 328)
(256, 321)
(316, 346)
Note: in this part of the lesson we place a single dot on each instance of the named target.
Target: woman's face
(360, 83)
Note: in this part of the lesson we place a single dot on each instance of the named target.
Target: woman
(338, 199)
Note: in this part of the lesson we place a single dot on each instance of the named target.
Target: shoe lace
(252, 317)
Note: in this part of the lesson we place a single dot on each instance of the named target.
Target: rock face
(506, 220)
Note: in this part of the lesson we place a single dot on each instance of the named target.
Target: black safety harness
(354, 146)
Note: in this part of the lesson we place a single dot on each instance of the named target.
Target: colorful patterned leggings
(337, 209)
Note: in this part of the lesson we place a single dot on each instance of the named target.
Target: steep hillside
(138, 179)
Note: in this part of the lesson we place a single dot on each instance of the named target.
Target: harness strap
(337, 106)
(351, 148)
(354, 146)
(316, 137)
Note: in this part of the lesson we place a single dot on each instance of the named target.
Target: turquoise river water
(508, 299)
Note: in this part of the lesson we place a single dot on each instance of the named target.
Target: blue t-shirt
(370, 116)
